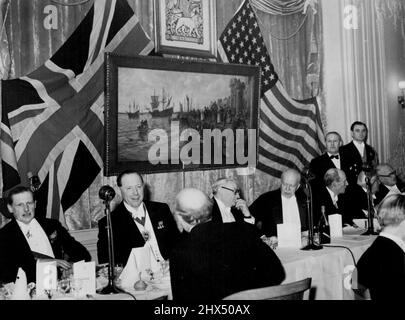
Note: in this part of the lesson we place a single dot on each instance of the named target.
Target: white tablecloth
(330, 268)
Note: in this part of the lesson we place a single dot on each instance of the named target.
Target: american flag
(290, 131)
(52, 119)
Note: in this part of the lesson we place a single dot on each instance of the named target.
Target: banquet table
(330, 268)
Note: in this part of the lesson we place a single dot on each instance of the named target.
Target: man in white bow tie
(136, 222)
(228, 204)
(27, 238)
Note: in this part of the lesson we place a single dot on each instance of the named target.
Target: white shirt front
(36, 237)
(333, 196)
(291, 214)
(393, 189)
(396, 239)
(360, 147)
(141, 212)
(226, 213)
(336, 162)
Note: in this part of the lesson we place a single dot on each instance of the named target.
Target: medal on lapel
(160, 225)
(145, 235)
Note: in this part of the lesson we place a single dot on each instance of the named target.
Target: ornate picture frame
(173, 106)
(186, 28)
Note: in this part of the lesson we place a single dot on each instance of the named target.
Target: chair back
(290, 291)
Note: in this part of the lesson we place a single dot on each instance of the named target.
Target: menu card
(84, 278)
(335, 224)
(289, 235)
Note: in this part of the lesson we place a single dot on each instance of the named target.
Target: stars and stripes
(52, 119)
(290, 131)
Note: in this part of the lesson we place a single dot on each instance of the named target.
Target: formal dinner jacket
(218, 259)
(15, 251)
(126, 234)
(383, 190)
(356, 200)
(216, 213)
(321, 197)
(268, 211)
(353, 162)
(381, 269)
(321, 164)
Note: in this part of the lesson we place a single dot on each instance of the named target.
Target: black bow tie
(334, 157)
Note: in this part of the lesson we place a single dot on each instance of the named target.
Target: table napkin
(20, 287)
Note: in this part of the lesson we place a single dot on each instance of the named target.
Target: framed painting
(184, 27)
(166, 115)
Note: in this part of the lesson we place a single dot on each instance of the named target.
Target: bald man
(228, 205)
(331, 197)
(390, 184)
(213, 260)
(286, 204)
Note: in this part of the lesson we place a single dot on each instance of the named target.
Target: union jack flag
(52, 119)
(290, 131)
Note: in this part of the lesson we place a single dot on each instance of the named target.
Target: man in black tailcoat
(136, 222)
(25, 239)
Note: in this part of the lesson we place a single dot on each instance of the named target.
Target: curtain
(371, 56)
(294, 59)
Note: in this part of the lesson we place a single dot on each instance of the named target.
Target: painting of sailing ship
(159, 94)
(161, 106)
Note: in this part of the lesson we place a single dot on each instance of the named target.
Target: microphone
(106, 193)
(307, 174)
(33, 181)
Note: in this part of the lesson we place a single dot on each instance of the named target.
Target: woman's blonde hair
(391, 211)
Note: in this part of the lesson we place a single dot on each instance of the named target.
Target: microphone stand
(111, 288)
(311, 245)
(370, 217)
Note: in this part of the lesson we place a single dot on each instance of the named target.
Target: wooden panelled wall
(31, 45)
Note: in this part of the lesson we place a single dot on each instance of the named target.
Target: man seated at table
(381, 268)
(228, 205)
(26, 239)
(330, 197)
(214, 260)
(284, 205)
(390, 183)
(136, 222)
(356, 197)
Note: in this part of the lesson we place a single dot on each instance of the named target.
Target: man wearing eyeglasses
(390, 184)
(228, 205)
(284, 205)
(25, 239)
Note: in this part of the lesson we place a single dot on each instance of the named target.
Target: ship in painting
(161, 105)
(133, 111)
